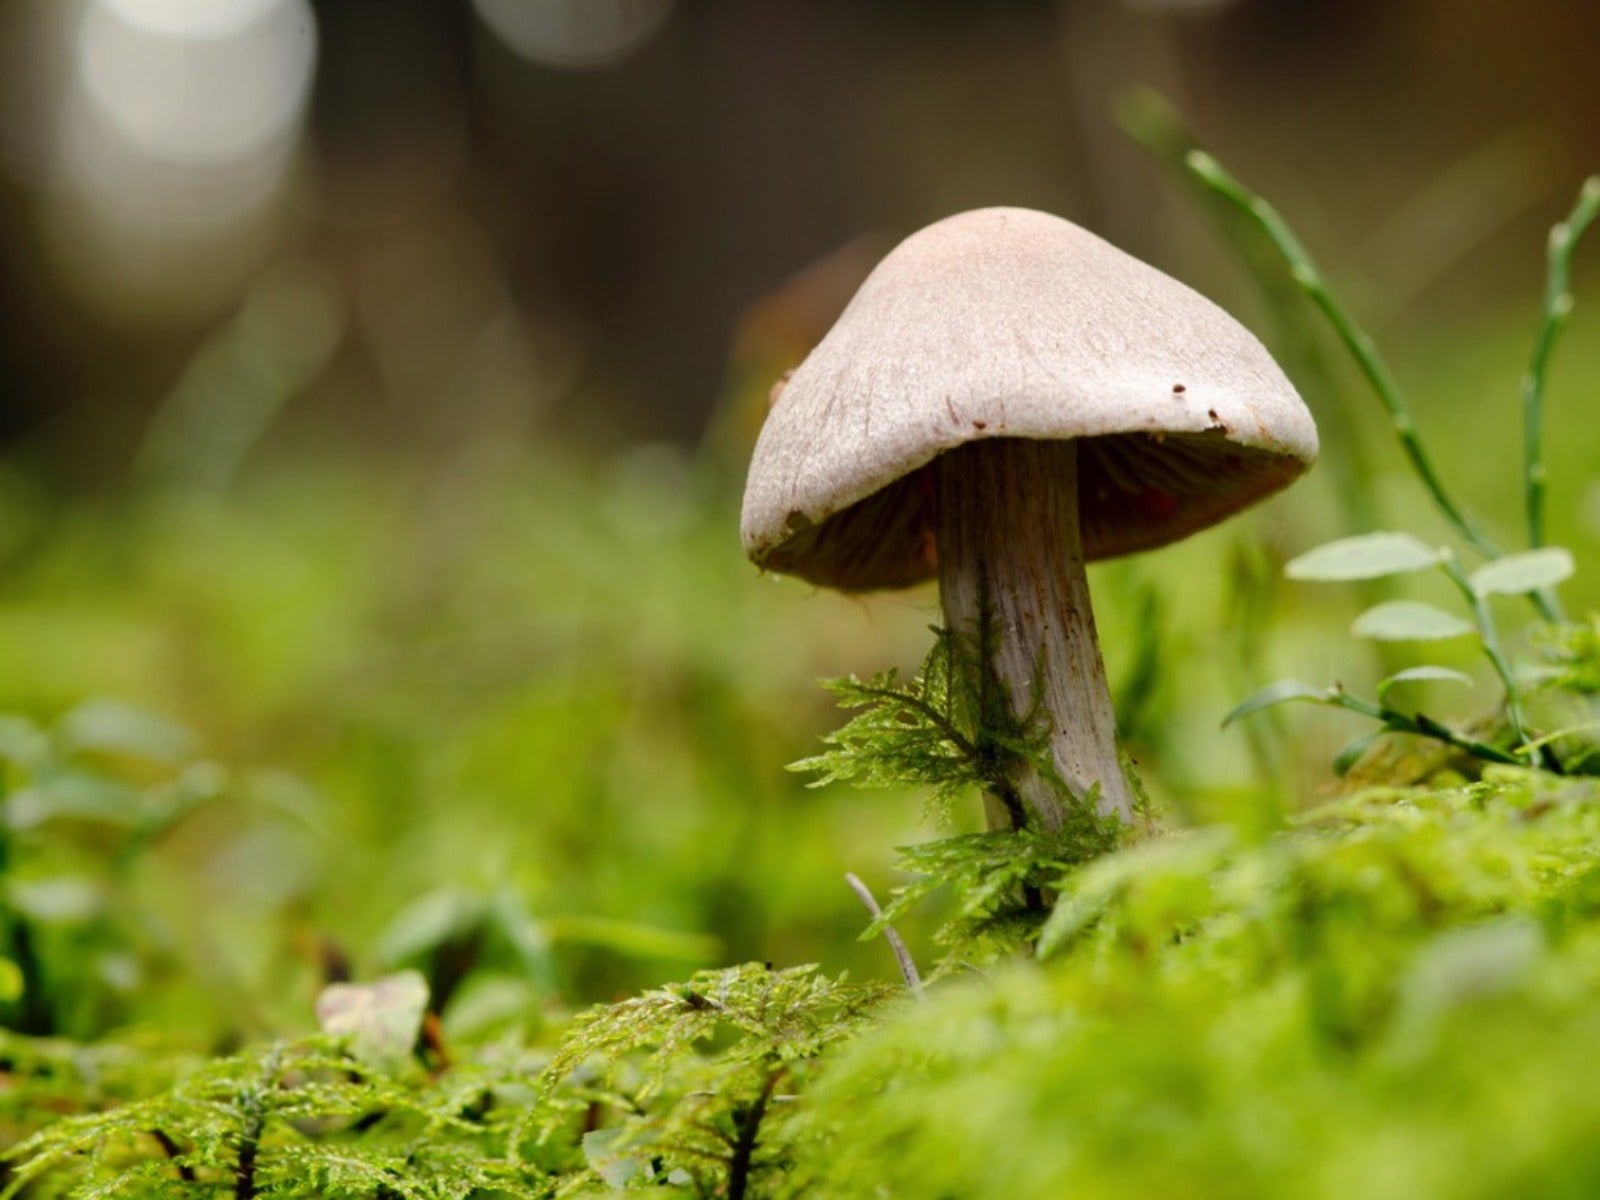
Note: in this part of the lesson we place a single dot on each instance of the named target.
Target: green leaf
(632, 939)
(74, 796)
(1518, 574)
(114, 728)
(430, 921)
(1408, 621)
(12, 982)
(1281, 692)
(604, 1151)
(58, 900)
(1371, 556)
(510, 916)
(1418, 675)
(22, 742)
(1351, 754)
(382, 1019)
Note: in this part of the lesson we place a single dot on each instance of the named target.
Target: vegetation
(1385, 999)
(538, 785)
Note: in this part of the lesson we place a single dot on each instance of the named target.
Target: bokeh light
(192, 19)
(173, 137)
(195, 79)
(574, 33)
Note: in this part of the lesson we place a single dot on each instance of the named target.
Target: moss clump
(1388, 1000)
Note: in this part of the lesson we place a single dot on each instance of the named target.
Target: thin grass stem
(1558, 302)
(1311, 282)
(1490, 637)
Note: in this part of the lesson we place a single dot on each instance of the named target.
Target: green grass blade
(1311, 282)
(1557, 310)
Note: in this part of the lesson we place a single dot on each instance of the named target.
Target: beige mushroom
(1006, 397)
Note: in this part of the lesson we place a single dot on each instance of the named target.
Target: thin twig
(908, 965)
(1557, 309)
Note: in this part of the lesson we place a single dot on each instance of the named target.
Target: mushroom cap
(1010, 323)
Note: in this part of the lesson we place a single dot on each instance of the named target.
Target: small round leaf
(1280, 692)
(1517, 574)
(1408, 621)
(1419, 675)
(23, 742)
(110, 727)
(1371, 556)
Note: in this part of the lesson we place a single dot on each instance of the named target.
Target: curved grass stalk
(1314, 285)
(1557, 310)
(1556, 735)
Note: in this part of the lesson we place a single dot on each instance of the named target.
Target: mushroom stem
(1011, 568)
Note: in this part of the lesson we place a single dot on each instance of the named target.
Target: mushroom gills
(1134, 494)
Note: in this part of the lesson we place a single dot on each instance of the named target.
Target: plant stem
(902, 956)
(1309, 278)
(173, 1151)
(744, 1148)
(1491, 648)
(1557, 309)
(244, 1173)
(1420, 725)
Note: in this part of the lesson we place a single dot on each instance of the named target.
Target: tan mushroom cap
(1010, 323)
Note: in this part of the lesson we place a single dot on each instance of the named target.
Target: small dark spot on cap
(980, 424)
(1178, 389)
(1212, 413)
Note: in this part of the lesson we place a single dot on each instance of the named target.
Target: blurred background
(376, 381)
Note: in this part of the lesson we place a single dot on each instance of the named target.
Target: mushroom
(1006, 397)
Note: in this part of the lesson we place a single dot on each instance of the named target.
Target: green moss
(1391, 999)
